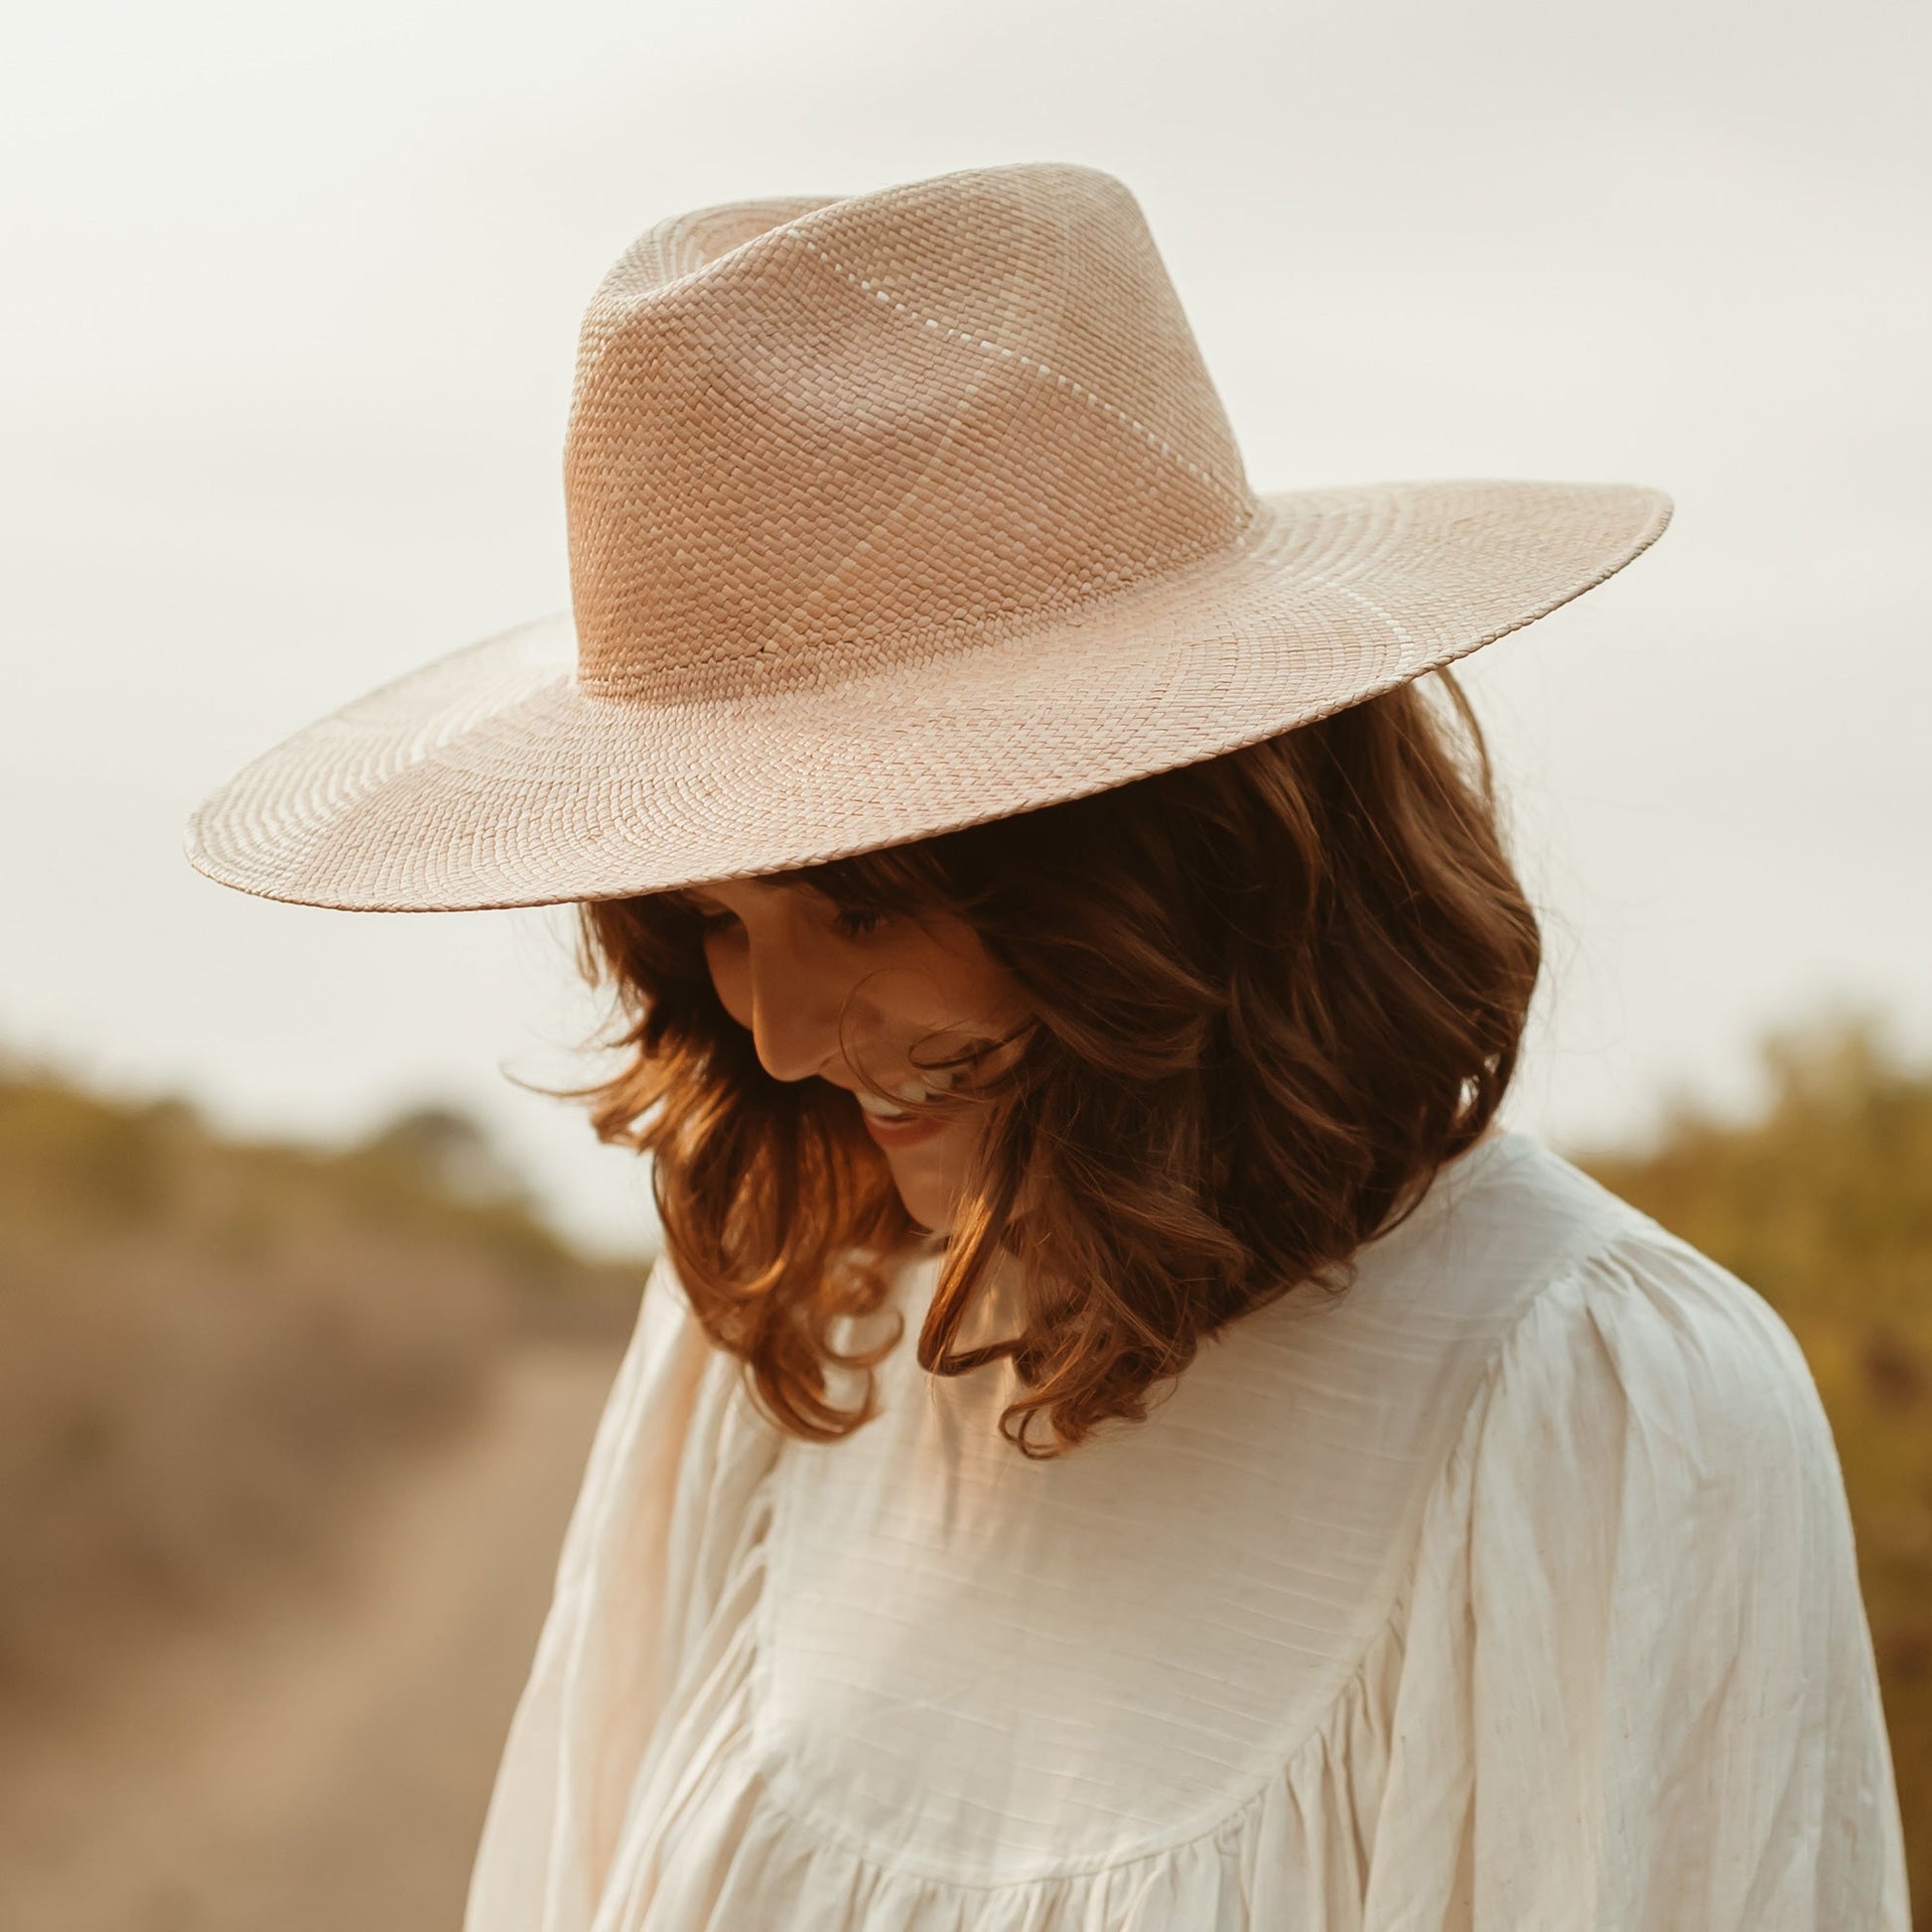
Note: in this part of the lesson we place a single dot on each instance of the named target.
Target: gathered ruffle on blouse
(1621, 1676)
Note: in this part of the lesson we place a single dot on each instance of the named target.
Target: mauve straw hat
(888, 516)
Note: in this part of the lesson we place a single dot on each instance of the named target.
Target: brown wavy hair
(1271, 994)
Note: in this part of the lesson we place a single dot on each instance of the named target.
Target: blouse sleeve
(672, 1473)
(1638, 1691)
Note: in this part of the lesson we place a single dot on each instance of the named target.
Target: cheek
(984, 996)
(971, 987)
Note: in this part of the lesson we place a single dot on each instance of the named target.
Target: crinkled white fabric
(1514, 1588)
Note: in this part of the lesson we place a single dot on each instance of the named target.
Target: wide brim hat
(890, 514)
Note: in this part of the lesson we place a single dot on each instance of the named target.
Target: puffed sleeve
(1638, 1691)
(669, 1480)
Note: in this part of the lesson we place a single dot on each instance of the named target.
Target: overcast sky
(292, 304)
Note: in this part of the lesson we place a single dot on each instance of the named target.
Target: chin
(929, 1193)
(930, 1176)
(929, 1207)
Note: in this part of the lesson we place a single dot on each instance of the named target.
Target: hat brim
(490, 778)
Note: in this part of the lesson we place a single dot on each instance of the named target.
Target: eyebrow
(696, 898)
(685, 898)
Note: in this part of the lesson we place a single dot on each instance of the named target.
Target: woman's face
(787, 962)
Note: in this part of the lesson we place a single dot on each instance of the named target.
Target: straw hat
(888, 516)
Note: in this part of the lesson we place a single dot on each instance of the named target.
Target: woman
(1120, 1437)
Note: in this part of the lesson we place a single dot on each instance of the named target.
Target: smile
(914, 1091)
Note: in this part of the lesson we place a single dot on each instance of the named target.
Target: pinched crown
(813, 439)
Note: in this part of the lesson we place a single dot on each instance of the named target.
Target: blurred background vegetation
(206, 1348)
(287, 1437)
(209, 1351)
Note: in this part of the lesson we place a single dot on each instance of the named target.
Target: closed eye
(853, 920)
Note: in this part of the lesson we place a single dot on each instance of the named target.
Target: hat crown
(811, 440)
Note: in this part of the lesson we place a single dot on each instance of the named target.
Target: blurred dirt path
(324, 1763)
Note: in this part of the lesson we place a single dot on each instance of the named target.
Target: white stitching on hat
(1153, 439)
(1367, 604)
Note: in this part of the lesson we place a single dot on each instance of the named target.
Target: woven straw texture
(890, 515)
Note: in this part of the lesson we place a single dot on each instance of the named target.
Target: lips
(902, 1130)
(914, 1091)
(878, 1109)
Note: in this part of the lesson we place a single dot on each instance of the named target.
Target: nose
(795, 1008)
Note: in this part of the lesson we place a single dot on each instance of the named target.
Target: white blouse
(1512, 1589)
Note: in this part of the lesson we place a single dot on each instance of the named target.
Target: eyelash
(855, 922)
